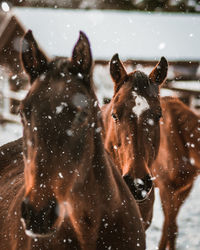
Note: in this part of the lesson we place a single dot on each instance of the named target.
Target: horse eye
(114, 116)
(158, 116)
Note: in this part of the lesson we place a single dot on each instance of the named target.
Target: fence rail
(18, 96)
(183, 80)
(6, 95)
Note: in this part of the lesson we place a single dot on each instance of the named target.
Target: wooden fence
(6, 95)
(183, 80)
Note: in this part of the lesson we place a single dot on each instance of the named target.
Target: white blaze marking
(141, 104)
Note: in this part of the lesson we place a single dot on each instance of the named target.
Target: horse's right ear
(82, 56)
(117, 72)
(159, 73)
(33, 59)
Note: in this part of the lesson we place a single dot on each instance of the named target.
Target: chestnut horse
(65, 193)
(177, 164)
(132, 133)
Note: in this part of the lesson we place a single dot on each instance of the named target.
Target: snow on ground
(188, 222)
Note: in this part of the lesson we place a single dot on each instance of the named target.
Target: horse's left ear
(117, 72)
(33, 59)
(159, 73)
(82, 56)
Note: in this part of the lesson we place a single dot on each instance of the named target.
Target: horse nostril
(148, 182)
(53, 212)
(128, 179)
(25, 208)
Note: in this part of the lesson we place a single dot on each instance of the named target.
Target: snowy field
(188, 220)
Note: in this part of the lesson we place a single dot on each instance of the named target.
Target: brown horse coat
(177, 163)
(65, 193)
(132, 129)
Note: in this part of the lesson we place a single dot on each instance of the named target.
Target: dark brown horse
(177, 164)
(65, 193)
(132, 133)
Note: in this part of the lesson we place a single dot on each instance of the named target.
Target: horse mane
(57, 65)
(180, 114)
(10, 152)
(143, 85)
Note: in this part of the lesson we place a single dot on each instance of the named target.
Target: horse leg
(165, 204)
(179, 198)
(163, 240)
(170, 209)
(172, 230)
(171, 205)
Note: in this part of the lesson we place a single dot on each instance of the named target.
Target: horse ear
(33, 59)
(117, 71)
(159, 73)
(82, 56)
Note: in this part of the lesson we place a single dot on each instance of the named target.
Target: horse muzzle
(140, 188)
(39, 223)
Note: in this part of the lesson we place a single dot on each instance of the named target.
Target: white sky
(133, 35)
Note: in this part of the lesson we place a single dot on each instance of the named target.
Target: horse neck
(192, 139)
(186, 126)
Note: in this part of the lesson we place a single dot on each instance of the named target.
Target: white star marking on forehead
(141, 104)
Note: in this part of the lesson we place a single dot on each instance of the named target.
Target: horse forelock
(142, 84)
(59, 77)
(59, 67)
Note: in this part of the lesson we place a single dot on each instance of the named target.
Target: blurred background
(141, 31)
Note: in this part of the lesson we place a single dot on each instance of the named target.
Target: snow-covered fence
(180, 83)
(6, 95)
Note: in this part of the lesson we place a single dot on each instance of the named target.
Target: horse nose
(39, 221)
(140, 188)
